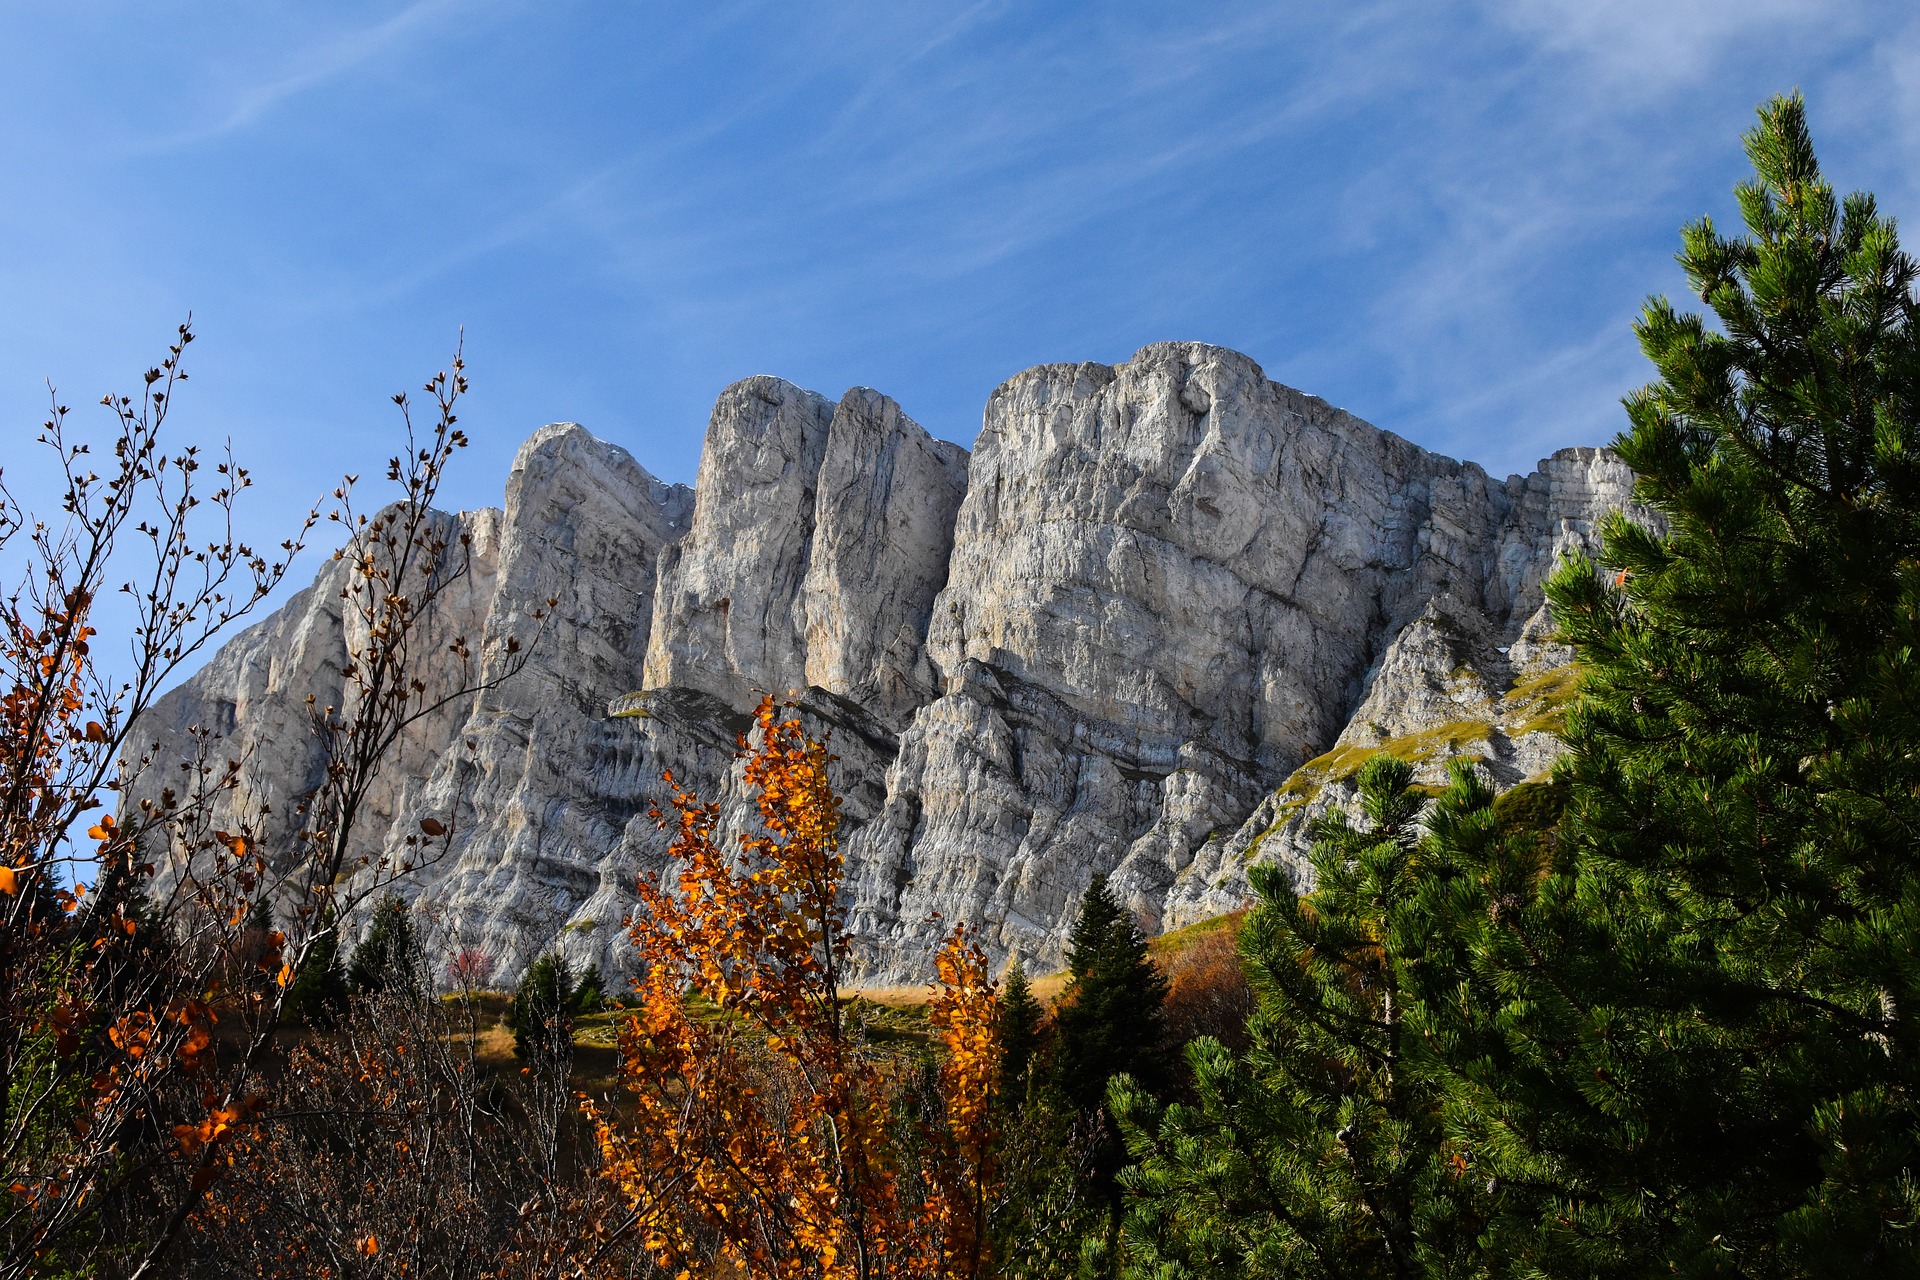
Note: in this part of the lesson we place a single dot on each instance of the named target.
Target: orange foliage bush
(1207, 989)
(765, 1139)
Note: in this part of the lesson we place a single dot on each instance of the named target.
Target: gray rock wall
(1105, 643)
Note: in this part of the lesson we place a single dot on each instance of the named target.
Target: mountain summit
(1149, 628)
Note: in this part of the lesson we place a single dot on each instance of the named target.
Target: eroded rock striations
(1150, 628)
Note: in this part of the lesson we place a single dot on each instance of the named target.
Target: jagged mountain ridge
(1105, 641)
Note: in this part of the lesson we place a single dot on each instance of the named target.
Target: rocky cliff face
(1150, 628)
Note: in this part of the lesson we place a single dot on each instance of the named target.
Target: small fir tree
(1109, 1025)
(590, 996)
(1109, 1021)
(543, 1009)
(1321, 1152)
(318, 993)
(1020, 1015)
(122, 918)
(388, 959)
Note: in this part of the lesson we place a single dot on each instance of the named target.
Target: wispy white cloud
(309, 69)
(1442, 214)
(1598, 125)
(1639, 49)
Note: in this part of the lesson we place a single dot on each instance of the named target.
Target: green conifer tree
(1676, 1033)
(1109, 1020)
(1109, 1024)
(1321, 1153)
(1051, 1197)
(543, 1009)
(1020, 1015)
(590, 996)
(388, 959)
(118, 893)
(319, 990)
(1685, 1041)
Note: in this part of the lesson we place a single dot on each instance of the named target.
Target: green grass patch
(1531, 806)
(1455, 738)
(1171, 944)
(1541, 703)
(891, 1026)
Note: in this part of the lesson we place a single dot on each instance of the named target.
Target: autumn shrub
(470, 969)
(141, 1015)
(1207, 989)
(380, 1146)
(763, 1135)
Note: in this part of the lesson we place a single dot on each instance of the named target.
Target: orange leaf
(286, 974)
(9, 883)
(368, 1247)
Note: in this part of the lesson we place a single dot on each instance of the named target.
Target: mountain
(1150, 627)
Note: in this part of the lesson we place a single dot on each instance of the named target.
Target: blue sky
(1441, 216)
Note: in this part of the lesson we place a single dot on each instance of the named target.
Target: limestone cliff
(1108, 641)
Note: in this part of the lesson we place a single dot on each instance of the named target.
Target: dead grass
(890, 997)
(1047, 988)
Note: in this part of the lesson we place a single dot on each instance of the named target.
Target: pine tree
(1688, 1040)
(1109, 1025)
(1052, 1197)
(1019, 1033)
(589, 996)
(253, 946)
(118, 895)
(318, 993)
(388, 959)
(1109, 1019)
(543, 1008)
(1321, 1153)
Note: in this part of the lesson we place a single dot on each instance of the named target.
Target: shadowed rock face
(1099, 645)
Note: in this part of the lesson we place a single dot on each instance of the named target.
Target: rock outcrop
(1148, 629)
